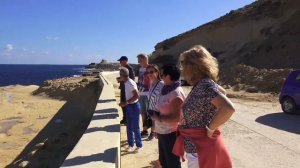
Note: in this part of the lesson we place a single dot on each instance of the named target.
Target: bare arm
(225, 110)
(221, 89)
(176, 109)
(132, 99)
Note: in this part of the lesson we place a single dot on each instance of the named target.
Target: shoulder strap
(149, 98)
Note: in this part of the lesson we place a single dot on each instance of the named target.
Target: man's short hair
(124, 72)
(143, 56)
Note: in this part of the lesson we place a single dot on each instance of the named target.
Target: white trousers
(192, 160)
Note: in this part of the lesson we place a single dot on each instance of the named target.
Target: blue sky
(85, 31)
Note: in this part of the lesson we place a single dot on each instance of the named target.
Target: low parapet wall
(100, 144)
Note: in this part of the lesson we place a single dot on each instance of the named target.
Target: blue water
(11, 74)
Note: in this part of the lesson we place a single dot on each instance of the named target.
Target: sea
(17, 74)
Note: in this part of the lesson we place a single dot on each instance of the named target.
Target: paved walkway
(100, 144)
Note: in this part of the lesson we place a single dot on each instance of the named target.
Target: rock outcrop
(263, 35)
(107, 66)
(65, 88)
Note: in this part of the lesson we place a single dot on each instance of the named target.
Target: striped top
(154, 94)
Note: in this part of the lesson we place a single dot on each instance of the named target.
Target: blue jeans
(133, 124)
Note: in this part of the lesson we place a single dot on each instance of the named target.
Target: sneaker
(139, 149)
(144, 134)
(130, 149)
(123, 122)
(150, 137)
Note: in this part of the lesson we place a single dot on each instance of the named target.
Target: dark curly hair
(172, 70)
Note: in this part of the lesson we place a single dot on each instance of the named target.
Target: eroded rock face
(251, 79)
(104, 65)
(64, 88)
(263, 35)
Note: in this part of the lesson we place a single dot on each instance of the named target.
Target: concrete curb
(100, 144)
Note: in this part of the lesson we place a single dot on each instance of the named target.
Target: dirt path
(258, 135)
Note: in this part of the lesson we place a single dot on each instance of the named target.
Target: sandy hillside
(256, 45)
(253, 35)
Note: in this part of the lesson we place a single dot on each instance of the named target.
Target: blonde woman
(204, 111)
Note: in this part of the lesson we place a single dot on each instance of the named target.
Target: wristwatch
(209, 130)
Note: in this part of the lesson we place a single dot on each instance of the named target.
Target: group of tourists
(187, 127)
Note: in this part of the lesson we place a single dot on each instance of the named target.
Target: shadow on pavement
(108, 156)
(106, 100)
(105, 116)
(108, 110)
(108, 128)
(282, 121)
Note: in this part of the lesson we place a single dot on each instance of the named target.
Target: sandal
(155, 163)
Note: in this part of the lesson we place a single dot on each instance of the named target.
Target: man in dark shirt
(124, 63)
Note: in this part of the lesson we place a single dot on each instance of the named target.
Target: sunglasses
(183, 62)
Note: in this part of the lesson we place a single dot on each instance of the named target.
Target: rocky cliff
(263, 35)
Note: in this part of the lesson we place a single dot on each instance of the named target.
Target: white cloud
(52, 38)
(7, 50)
(8, 47)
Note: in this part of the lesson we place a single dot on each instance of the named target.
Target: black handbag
(148, 122)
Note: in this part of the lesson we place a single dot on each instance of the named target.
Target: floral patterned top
(197, 108)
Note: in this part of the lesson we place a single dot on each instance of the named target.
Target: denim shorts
(143, 100)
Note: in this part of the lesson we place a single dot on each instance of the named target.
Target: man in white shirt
(124, 63)
(133, 111)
